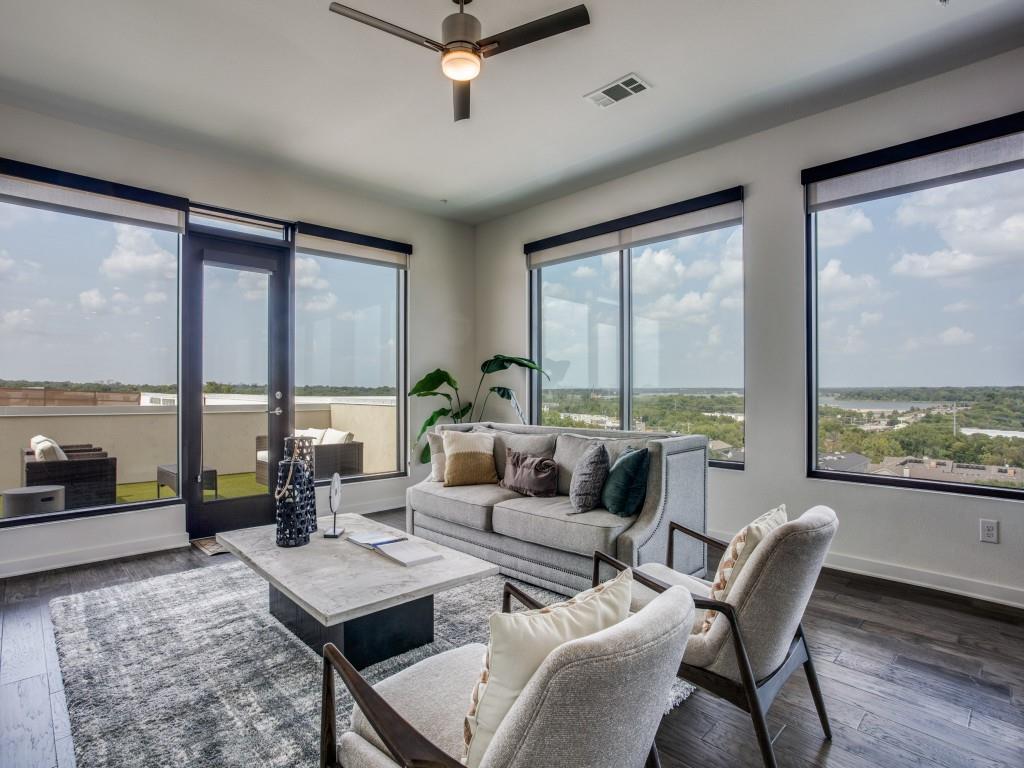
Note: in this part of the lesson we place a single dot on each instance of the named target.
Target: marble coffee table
(332, 590)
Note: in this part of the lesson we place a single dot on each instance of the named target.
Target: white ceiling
(292, 84)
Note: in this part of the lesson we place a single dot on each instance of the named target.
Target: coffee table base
(366, 640)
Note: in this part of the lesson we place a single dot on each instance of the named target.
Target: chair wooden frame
(755, 697)
(408, 747)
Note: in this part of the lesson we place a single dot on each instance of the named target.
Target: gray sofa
(536, 540)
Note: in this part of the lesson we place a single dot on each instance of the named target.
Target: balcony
(140, 432)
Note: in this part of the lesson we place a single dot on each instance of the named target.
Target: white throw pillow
(436, 443)
(520, 642)
(736, 555)
(334, 436)
(316, 434)
(48, 450)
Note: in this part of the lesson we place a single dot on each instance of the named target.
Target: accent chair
(596, 701)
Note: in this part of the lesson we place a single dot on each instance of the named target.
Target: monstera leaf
(504, 362)
(432, 420)
(507, 393)
(430, 383)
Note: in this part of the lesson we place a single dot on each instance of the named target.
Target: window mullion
(625, 340)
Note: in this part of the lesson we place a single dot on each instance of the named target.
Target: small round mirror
(335, 499)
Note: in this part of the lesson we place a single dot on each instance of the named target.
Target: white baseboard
(944, 582)
(66, 559)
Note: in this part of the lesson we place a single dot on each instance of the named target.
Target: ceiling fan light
(460, 64)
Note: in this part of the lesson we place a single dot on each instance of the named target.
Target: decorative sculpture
(295, 493)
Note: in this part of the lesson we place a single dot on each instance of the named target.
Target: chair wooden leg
(653, 758)
(328, 721)
(764, 739)
(819, 701)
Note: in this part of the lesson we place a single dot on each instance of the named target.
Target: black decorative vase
(295, 493)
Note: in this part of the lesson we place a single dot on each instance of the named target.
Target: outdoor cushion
(432, 696)
(551, 522)
(468, 505)
(642, 595)
(263, 456)
(313, 432)
(48, 450)
(335, 437)
(569, 449)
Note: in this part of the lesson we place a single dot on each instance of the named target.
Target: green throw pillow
(626, 487)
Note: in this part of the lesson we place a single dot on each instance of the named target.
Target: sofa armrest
(676, 492)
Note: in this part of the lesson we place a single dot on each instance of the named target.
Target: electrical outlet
(988, 531)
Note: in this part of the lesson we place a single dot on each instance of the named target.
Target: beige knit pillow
(469, 458)
(736, 555)
(519, 644)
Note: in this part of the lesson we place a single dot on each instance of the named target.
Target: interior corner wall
(440, 319)
(913, 536)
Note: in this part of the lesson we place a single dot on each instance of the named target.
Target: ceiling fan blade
(386, 26)
(549, 26)
(460, 92)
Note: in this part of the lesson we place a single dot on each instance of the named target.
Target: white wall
(914, 536)
(441, 329)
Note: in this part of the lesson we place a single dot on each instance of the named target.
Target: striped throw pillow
(469, 458)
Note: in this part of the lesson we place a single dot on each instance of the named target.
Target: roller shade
(720, 209)
(932, 170)
(22, 191)
(312, 238)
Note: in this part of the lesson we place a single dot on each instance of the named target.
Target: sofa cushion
(533, 444)
(48, 450)
(624, 492)
(588, 479)
(468, 505)
(530, 475)
(436, 445)
(468, 458)
(569, 449)
(551, 522)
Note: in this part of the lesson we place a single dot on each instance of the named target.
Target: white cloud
(845, 291)
(253, 285)
(839, 226)
(692, 307)
(584, 272)
(938, 264)
(979, 217)
(307, 274)
(1020, 299)
(92, 300)
(714, 335)
(870, 319)
(656, 270)
(137, 254)
(323, 302)
(154, 297)
(6, 264)
(16, 319)
(955, 336)
(958, 306)
(119, 297)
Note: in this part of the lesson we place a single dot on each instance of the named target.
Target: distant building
(844, 462)
(946, 470)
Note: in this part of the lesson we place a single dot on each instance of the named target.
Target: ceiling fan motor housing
(460, 30)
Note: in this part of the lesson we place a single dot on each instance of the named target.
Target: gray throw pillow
(588, 479)
(535, 444)
(530, 475)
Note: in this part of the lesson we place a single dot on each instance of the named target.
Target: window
(639, 324)
(349, 349)
(89, 340)
(917, 300)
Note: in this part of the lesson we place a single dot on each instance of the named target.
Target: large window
(89, 343)
(648, 335)
(918, 271)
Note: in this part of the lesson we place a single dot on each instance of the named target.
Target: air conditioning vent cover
(620, 89)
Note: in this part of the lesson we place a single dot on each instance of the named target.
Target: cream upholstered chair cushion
(769, 595)
(642, 596)
(617, 682)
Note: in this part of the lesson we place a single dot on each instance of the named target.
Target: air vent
(615, 92)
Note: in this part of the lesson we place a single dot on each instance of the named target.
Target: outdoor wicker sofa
(343, 458)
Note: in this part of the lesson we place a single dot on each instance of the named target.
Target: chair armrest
(510, 591)
(674, 527)
(408, 747)
(638, 576)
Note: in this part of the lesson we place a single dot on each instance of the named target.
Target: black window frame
(940, 142)
(187, 286)
(534, 287)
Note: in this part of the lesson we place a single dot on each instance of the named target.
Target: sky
(687, 315)
(84, 299)
(924, 289)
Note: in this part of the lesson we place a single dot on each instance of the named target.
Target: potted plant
(434, 383)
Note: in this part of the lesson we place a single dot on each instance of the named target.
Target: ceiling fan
(463, 50)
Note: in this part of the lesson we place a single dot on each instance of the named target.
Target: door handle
(277, 411)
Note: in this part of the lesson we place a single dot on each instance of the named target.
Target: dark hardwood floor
(910, 677)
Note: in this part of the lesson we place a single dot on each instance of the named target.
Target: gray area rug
(192, 670)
